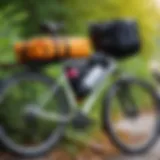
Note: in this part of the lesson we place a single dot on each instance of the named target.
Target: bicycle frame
(88, 102)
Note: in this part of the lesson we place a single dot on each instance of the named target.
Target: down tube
(98, 89)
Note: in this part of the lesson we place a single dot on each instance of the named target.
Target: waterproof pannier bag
(118, 38)
(50, 49)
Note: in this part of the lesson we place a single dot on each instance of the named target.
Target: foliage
(9, 32)
(37, 11)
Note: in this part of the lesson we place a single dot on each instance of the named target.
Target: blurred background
(20, 19)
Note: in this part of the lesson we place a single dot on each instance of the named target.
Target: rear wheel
(131, 115)
(22, 133)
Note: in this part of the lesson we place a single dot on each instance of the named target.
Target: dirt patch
(98, 149)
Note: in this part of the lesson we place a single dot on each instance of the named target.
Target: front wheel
(131, 115)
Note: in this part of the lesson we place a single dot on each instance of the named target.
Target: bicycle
(39, 120)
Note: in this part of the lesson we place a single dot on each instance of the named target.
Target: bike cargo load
(119, 38)
(51, 49)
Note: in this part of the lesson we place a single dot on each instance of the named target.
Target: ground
(152, 155)
(92, 153)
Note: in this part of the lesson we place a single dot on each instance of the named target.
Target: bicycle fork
(127, 103)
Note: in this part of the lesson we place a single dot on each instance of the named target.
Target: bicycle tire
(106, 121)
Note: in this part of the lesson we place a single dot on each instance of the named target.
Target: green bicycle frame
(63, 82)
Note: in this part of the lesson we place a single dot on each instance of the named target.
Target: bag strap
(67, 49)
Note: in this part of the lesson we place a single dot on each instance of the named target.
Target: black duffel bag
(118, 38)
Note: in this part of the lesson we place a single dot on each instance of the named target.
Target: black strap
(67, 49)
(56, 49)
(25, 54)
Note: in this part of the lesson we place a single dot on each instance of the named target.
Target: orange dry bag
(46, 49)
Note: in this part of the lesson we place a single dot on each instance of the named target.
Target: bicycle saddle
(51, 27)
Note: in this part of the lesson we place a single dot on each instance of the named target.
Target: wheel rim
(136, 132)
